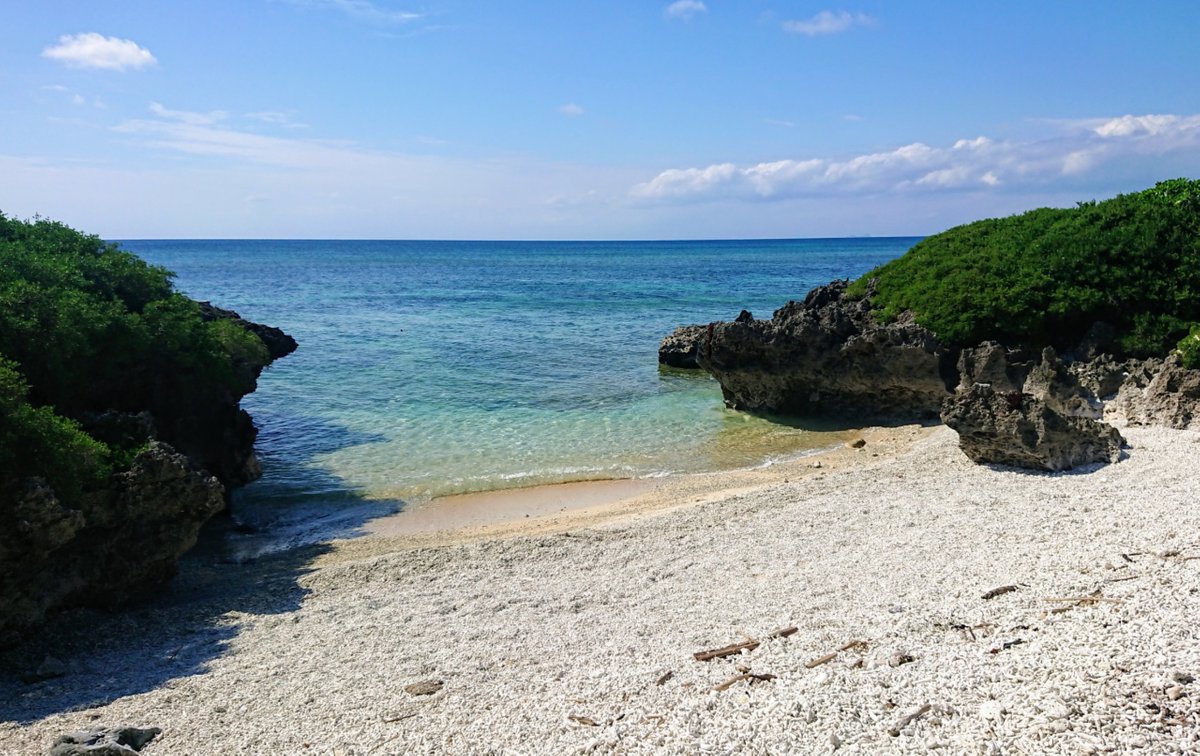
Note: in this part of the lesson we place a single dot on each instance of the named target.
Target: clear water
(430, 368)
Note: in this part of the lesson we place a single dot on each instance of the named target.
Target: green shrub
(85, 326)
(34, 441)
(1189, 348)
(1044, 277)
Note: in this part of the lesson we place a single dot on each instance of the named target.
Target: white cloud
(828, 22)
(571, 109)
(684, 10)
(276, 118)
(361, 10)
(779, 122)
(187, 116)
(1080, 148)
(92, 50)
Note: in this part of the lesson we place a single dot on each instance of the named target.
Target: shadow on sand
(179, 631)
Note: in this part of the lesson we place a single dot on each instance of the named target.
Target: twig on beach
(666, 676)
(852, 645)
(906, 721)
(999, 591)
(736, 648)
(1085, 599)
(399, 718)
(1122, 579)
(751, 676)
(586, 721)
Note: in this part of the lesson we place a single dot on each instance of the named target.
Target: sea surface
(433, 368)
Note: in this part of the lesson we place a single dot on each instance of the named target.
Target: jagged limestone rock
(679, 348)
(1161, 392)
(1017, 429)
(828, 355)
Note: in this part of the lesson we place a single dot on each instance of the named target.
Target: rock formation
(827, 355)
(1160, 392)
(1012, 411)
(678, 348)
(1017, 429)
(102, 741)
(125, 538)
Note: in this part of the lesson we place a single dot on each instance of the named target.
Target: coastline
(558, 507)
(559, 636)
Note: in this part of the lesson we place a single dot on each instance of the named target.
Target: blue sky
(588, 120)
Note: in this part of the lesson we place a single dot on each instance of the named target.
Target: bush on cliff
(85, 326)
(1045, 277)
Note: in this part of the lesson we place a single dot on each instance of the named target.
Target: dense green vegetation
(1045, 277)
(85, 327)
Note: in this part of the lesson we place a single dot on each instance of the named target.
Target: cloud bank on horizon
(977, 164)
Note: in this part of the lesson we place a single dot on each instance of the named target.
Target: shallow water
(432, 368)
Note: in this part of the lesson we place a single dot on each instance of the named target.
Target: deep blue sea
(430, 368)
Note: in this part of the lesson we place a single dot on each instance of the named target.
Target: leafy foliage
(34, 441)
(1046, 276)
(1189, 348)
(85, 326)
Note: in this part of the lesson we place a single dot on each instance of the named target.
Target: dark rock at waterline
(828, 355)
(123, 542)
(103, 741)
(278, 343)
(678, 348)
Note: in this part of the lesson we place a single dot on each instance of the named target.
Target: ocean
(429, 368)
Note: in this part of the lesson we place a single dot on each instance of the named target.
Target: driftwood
(999, 591)
(737, 648)
(906, 721)
(752, 677)
(1086, 599)
(854, 644)
(666, 676)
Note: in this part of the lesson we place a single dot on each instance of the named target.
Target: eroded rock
(828, 355)
(124, 541)
(104, 741)
(1018, 429)
(1160, 392)
(679, 348)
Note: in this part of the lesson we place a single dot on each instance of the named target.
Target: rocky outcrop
(678, 349)
(828, 355)
(125, 538)
(1013, 411)
(124, 541)
(1017, 429)
(278, 343)
(103, 741)
(206, 423)
(1160, 392)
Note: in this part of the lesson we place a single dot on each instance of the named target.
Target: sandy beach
(937, 605)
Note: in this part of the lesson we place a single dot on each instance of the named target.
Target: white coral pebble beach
(582, 640)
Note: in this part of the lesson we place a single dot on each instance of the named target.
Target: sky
(613, 119)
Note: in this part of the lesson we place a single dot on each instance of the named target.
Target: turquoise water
(430, 368)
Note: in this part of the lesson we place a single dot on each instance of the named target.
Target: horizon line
(509, 241)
